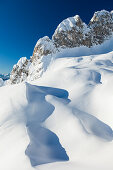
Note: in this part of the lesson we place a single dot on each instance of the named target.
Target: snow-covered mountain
(5, 76)
(70, 33)
(58, 114)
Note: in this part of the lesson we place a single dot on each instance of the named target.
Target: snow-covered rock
(43, 47)
(112, 12)
(32, 69)
(42, 53)
(101, 26)
(20, 71)
(72, 32)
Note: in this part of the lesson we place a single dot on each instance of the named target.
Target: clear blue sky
(23, 22)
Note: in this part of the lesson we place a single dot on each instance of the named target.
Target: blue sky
(23, 22)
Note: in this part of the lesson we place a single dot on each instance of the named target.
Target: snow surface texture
(64, 119)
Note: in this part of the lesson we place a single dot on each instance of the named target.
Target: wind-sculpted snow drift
(44, 145)
(63, 120)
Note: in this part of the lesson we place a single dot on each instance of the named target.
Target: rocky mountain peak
(101, 26)
(101, 17)
(71, 32)
(43, 47)
(20, 71)
(69, 23)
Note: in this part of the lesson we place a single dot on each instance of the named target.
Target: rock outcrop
(43, 47)
(101, 26)
(20, 71)
(72, 32)
(32, 69)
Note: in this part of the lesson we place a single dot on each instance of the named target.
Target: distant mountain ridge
(70, 33)
(5, 76)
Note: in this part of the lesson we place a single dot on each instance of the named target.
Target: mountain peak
(68, 24)
(102, 15)
(71, 32)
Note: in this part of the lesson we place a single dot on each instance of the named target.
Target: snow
(41, 64)
(1, 82)
(64, 119)
(40, 61)
(45, 44)
(4, 77)
(21, 61)
(69, 23)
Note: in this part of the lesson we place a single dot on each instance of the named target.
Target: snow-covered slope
(64, 119)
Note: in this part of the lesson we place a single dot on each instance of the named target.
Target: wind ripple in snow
(94, 126)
